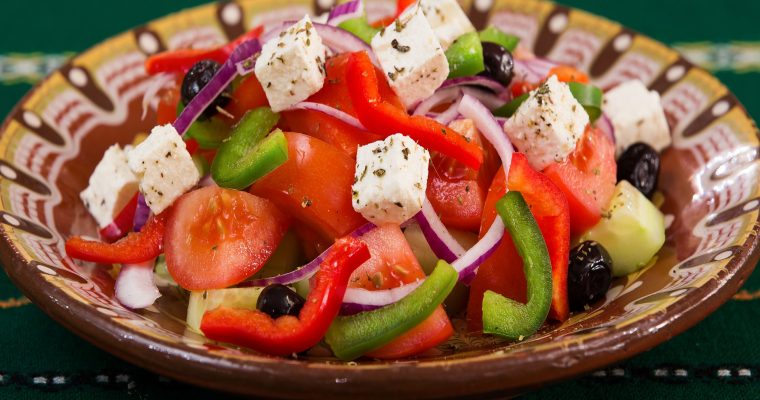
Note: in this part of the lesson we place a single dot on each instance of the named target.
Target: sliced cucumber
(632, 230)
(422, 250)
(161, 273)
(207, 300)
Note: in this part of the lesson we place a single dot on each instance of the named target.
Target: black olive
(196, 79)
(278, 300)
(640, 166)
(589, 274)
(499, 63)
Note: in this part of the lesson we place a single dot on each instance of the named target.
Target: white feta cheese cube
(391, 179)
(164, 166)
(548, 125)
(291, 66)
(637, 116)
(411, 58)
(447, 19)
(111, 186)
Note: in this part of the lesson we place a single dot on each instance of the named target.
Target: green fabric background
(41, 360)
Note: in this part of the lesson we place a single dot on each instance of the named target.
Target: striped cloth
(717, 358)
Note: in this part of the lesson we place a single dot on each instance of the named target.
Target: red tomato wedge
(335, 94)
(503, 271)
(247, 96)
(314, 186)
(456, 191)
(393, 264)
(433, 331)
(587, 178)
(324, 127)
(218, 237)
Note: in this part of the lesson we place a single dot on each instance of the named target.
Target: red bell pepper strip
(183, 59)
(503, 272)
(289, 334)
(135, 248)
(402, 5)
(381, 117)
(122, 223)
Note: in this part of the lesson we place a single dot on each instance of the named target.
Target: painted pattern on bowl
(52, 140)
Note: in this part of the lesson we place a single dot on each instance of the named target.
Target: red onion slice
(468, 264)
(604, 124)
(338, 40)
(142, 213)
(439, 97)
(307, 270)
(490, 100)
(533, 70)
(481, 81)
(438, 237)
(343, 41)
(135, 287)
(331, 111)
(244, 53)
(358, 300)
(342, 12)
(449, 115)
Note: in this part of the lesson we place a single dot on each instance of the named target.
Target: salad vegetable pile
(354, 184)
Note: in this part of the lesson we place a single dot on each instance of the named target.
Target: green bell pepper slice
(352, 336)
(208, 133)
(590, 98)
(360, 27)
(250, 153)
(465, 56)
(493, 34)
(509, 109)
(503, 316)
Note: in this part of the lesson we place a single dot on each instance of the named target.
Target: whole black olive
(196, 79)
(498, 62)
(640, 166)
(589, 274)
(278, 300)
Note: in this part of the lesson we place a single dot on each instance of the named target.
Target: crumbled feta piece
(165, 168)
(291, 67)
(411, 57)
(111, 186)
(637, 116)
(391, 179)
(447, 19)
(547, 126)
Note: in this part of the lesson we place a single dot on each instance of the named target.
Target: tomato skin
(587, 178)
(218, 237)
(459, 202)
(456, 191)
(324, 127)
(503, 271)
(433, 331)
(566, 73)
(313, 186)
(247, 96)
(392, 264)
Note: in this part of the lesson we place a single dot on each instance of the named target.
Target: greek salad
(353, 184)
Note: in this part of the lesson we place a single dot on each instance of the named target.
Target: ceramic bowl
(51, 141)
